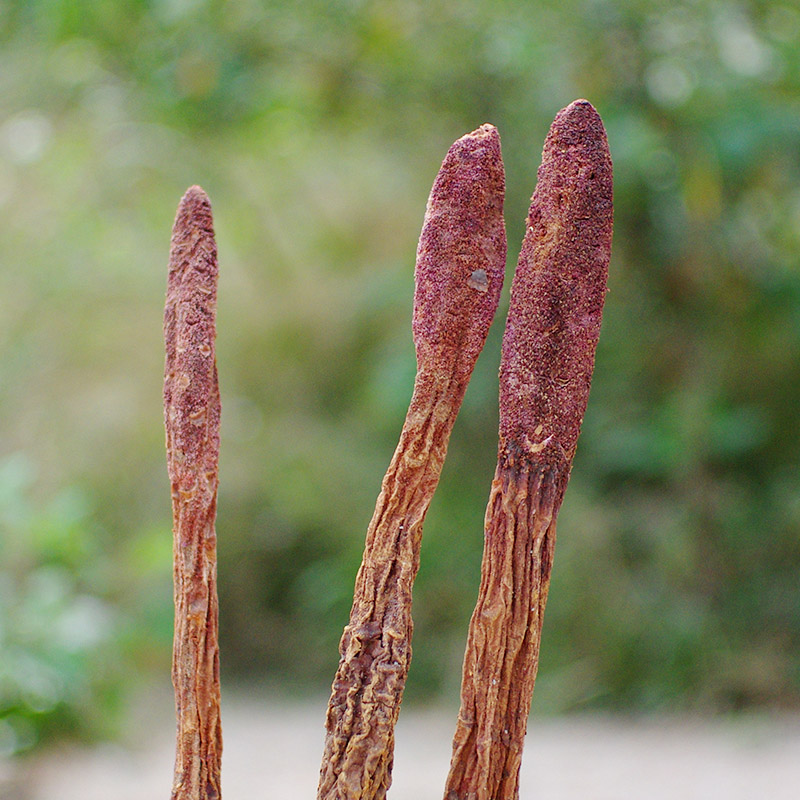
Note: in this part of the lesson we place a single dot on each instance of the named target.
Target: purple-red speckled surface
(461, 255)
(558, 292)
(191, 393)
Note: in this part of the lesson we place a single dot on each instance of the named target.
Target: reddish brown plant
(192, 416)
(459, 274)
(545, 373)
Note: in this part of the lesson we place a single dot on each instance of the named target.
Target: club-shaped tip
(558, 292)
(461, 255)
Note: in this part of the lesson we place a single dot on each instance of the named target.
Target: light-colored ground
(272, 749)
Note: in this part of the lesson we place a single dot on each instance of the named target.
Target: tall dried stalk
(459, 274)
(192, 416)
(545, 373)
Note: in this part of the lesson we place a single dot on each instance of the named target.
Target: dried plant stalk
(459, 274)
(192, 416)
(545, 373)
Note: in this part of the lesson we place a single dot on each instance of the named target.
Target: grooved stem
(502, 652)
(192, 416)
(459, 274)
(376, 644)
(545, 373)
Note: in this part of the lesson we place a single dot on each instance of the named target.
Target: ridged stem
(459, 274)
(192, 418)
(545, 373)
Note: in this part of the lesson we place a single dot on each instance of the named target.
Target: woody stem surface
(192, 416)
(459, 274)
(545, 373)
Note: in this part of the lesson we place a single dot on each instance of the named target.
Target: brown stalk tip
(558, 291)
(192, 418)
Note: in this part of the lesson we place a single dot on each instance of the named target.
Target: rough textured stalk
(545, 373)
(192, 415)
(459, 274)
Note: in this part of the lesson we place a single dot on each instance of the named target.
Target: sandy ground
(272, 749)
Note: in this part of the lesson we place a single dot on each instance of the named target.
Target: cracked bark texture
(545, 373)
(192, 417)
(458, 276)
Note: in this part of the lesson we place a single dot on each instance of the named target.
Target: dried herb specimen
(192, 415)
(546, 367)
(459, 274)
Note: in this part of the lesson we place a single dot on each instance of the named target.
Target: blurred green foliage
(317, 129)
(69, 643)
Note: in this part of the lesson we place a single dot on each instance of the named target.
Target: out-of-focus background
(317, 129)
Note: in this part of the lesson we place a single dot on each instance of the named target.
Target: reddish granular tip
(191, 394)
(558, 292)
(461, 255)
(487, 130)
(194, 213)
(195, 193)
(194, 200)
(193, 247)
